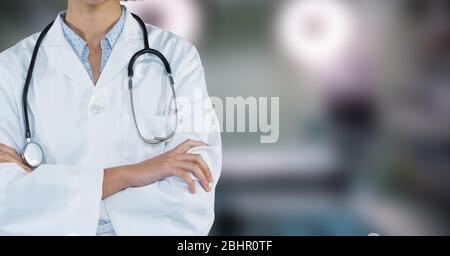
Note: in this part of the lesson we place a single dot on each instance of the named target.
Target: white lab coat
(84, 129)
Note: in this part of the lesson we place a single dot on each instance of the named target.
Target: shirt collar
(115, 32)
(79, 44)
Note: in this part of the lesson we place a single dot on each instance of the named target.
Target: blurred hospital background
(364, 88)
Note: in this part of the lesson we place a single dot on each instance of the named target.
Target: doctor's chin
(258, 119)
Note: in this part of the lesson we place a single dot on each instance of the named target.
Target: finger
(196, 171)
(13, 153)
(6, 158)
(188, 144)
(7, 150)
(187, 179)
(13, 158)
(25, 167)
(198, 159)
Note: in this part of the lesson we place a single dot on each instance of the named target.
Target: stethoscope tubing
(32, 146)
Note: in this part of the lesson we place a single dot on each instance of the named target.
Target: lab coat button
(96, 108)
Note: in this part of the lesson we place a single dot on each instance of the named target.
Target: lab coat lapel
(62, 58)
(129, 42)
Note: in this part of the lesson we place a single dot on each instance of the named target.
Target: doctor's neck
(92, 19)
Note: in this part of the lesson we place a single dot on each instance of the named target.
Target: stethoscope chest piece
(33, 154)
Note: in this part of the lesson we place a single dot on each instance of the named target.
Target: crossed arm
(176, 162)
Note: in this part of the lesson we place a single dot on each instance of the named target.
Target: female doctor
(79, 146)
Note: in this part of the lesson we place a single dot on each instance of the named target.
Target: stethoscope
(33, 154)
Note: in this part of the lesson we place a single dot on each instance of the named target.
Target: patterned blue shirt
(106, 44)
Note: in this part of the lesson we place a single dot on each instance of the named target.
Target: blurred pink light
(314, 32)
(181, 17)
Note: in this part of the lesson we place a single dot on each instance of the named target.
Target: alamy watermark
(233, 114)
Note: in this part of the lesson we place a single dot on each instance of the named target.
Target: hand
(175, 162)
(9, 155)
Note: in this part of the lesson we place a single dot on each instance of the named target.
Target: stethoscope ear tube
(32, 153)
(28, 79)
(149, 51)
(172, 132)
